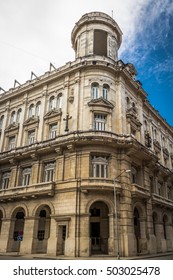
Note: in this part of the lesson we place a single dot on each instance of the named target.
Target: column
(84, 244)
(52, 241)
(27, 242)
(111, 247)
(5, 235)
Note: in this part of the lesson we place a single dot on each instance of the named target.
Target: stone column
(84, 244)
(159, 234)
(5, 235)
(35, 172)
(52, 241)
(169, 242)
(111, 247)
(26, 243)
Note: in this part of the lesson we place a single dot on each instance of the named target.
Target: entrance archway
(42, 227)
(99, 228)
(18, 230)
(137, 229)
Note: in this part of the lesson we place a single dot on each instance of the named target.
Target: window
(105, 91)
(11, 143)
(26, 175)
(99, 167)
(134, 175)
(31, 111)
(145, 126)
(37, 109)
(52, 103)
(159, 188)
(19, 112)
(13, 117)
(49, 171)
(31, 137)
(5, 180)
(41, 234)
(164, 226)
(52, 131)
(1, 121)
(99, 122)
(154, 216)
(95, 91)
(169, 192)
(59, 101)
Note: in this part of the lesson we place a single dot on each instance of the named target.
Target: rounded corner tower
(96, 33)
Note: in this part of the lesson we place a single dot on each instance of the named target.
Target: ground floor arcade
(138, 228)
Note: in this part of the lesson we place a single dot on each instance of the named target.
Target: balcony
(160, 200)
(139, 191)
(98, 184)
(24, 192)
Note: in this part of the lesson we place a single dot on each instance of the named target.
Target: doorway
(99, 228)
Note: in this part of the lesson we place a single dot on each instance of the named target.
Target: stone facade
(67, 139)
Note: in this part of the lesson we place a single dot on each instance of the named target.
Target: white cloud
(34, 33)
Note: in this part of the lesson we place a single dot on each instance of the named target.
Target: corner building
(67, 139)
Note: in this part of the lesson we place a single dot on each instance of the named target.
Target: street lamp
(115, 208)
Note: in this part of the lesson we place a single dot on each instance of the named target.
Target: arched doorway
(99, 228)
(42, 230)
(18, 231)
(137, 229)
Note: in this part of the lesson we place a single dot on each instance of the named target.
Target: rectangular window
(11, 142)
(5, 180)
(52, 131)
(99, 122)
(26, 175)
(49, 171)
(31, 137)
(41, 234)
(99, 167)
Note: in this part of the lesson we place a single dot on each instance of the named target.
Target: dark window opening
(100, 42)
(95, 212)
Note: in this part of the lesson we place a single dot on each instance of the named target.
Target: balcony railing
(99, 184)
(160, 200)
(32, 191)
(139, 191)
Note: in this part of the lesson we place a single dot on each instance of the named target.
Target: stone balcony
(160, 200)
(24, 192)
(139, 191)
(99, 184)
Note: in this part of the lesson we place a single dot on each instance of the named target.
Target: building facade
(67, 139)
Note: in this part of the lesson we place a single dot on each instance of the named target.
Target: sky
(37, 32)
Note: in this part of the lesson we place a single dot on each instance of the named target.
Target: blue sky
(152, 53)
(37, 32)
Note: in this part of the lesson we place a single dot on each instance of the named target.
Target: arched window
(95, 90)
(105, 91)
(31, 111)
(59, 101)
(19, 112)
(1, 121)
(37, 109)
(13, 117)
(52, 103)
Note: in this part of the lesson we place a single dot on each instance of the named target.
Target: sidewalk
(95, 257)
